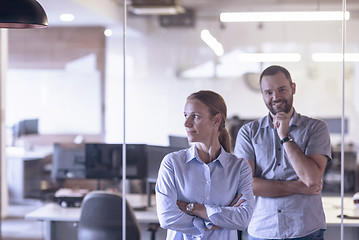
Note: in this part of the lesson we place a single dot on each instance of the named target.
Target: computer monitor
(104, 161)
(155, 155)
(178, 141)
(335, 125)
(68, 161)
(25, 127)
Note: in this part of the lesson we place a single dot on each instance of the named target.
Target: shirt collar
(192, 154)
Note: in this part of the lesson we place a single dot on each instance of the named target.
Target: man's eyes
(279, 90)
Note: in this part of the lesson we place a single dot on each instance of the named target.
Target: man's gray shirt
(291, 216)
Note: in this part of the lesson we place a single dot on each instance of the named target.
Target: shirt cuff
(209, 225)
(200, 225)
(212, 210)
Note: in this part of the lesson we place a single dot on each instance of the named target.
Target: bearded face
(277, 93)
(281, 105)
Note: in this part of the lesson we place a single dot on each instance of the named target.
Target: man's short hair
(273, 70)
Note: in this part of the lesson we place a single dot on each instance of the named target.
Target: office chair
(101, 218)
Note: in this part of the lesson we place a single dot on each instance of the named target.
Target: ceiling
(110, 12)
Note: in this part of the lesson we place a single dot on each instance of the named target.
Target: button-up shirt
(183, 176)
(290, 216)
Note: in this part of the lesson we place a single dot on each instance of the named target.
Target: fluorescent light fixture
(283, 16)
(212, 42)
(269, 57)
(67, 17)
(157, 10)
(335, 57)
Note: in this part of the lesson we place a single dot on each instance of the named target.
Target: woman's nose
(187, 122)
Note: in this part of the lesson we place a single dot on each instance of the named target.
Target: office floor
(15, 227)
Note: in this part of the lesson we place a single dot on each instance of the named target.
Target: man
(288, 153)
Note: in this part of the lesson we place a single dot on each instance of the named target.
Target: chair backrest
(101, 218)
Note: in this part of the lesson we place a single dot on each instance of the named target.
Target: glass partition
(161, 74)
(167, 59)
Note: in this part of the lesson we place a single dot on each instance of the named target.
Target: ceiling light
(108, 32)
(269, 57)
(156, 10)
(335, 57)
(22, 14)
(67, 17)
(283, 16)
(212, 42)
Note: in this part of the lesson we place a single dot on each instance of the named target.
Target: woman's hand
(199, 210)
(235, 202)
(182, 205)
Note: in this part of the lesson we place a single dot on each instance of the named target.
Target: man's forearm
(309, 169)
(276, 188)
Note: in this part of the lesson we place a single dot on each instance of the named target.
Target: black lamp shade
(22, 14)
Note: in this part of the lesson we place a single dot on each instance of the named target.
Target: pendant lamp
(22, 14)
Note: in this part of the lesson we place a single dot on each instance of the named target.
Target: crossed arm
(200, 210)
(275, 188)
(310, 169)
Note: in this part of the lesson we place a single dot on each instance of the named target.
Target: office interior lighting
(335, 57)
(157, 10)
(67, 17)
(283, 16)
(22, 14)
(212, 42)
(155, 7)
(269, 57)
(108, 32)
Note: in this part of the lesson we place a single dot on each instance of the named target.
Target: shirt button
(279, 211)
(279, 149)
(208, 182)
(278, 164)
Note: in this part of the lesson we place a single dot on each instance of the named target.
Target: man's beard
(286, 108)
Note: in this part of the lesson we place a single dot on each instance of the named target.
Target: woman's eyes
(193, 116)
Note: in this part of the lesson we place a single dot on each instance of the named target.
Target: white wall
(66, 101)
(156, 96)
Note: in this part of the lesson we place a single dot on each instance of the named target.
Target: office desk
(60, 223)
(332, 208)
(24, 173)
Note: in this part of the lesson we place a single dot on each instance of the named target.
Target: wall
(156, 96)
(57, 75)
(155, 55)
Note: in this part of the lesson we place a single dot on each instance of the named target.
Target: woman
(204, 192)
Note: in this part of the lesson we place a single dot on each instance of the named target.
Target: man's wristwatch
(288, 138)
(190, 207)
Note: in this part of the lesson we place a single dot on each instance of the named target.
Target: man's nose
(275, 95)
